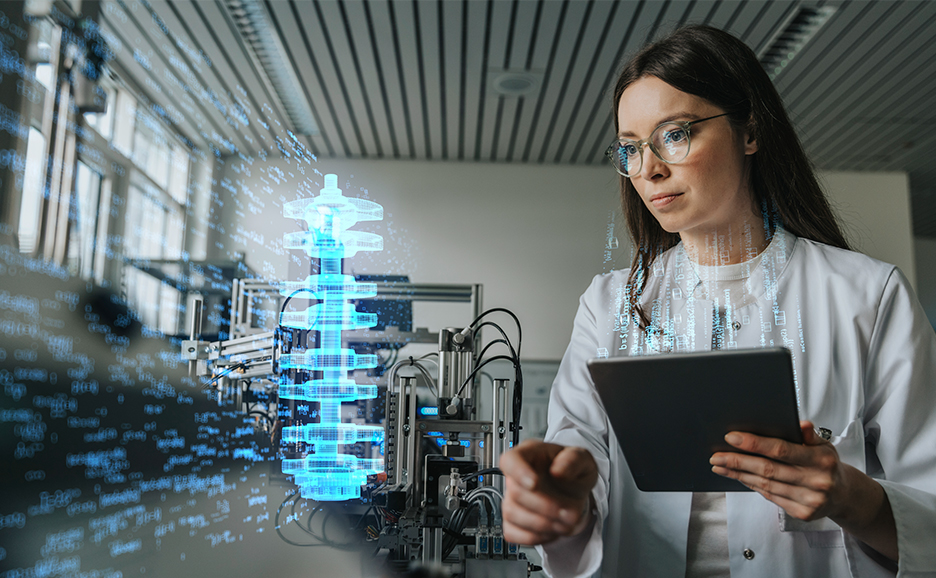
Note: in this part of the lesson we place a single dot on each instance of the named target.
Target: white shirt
(864, 357)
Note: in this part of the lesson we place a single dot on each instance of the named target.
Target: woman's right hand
(548, 493)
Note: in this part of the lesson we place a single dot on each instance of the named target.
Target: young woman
(736, 247)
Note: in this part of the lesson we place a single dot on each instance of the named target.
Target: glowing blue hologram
(327, 474)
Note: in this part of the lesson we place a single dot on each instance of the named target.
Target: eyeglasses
(669, 142)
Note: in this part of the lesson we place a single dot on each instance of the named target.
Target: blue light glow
(428, 410)
(328, 474)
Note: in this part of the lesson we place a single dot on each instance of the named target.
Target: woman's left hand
(807, 480)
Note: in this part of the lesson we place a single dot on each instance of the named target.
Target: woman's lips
(663, 200)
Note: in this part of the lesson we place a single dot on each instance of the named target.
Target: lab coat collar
(763, 282)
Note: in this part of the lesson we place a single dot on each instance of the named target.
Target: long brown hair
(716, 66)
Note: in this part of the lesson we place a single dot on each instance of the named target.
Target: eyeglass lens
(669, 142)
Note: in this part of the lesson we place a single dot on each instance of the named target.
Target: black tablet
(670, 413)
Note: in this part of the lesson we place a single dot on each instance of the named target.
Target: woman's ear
(750, 141)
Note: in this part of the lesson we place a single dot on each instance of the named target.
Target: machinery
(319, 386)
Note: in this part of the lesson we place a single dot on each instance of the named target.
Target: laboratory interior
(281, 281)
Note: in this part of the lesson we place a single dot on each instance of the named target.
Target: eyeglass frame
(685, 124)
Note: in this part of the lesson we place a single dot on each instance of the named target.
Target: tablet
(670, 413)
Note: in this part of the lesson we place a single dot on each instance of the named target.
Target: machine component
(435, 498)
(321, 374)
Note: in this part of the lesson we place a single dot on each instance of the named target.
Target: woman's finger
(518, 535)
(761, 467)
(547, 505)
(534, 521)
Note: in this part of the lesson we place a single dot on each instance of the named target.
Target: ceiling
(414, 79)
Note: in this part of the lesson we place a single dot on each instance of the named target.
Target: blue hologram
(328, 474)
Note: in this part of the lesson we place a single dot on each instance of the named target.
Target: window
(31, 205)
(83, 222)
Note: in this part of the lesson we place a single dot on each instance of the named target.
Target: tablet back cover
(670, 413)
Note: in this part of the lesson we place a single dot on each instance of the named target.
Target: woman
(736, 247)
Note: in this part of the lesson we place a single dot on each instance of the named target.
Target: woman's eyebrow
(681, 115)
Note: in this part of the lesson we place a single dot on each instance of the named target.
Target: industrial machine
(406, 446)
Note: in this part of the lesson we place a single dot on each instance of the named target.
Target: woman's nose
(652, 167)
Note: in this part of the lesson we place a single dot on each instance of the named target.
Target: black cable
(508, 312)
(503, 334)
(491, 344)
(480, 365)
(518, 381)
(293, 294)
(484, 472)
(229, 370)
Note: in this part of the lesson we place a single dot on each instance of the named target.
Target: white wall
(533, 235)
(875, 208)
(925, 253)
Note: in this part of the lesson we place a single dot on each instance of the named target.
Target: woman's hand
(548, 493)
(809, 482)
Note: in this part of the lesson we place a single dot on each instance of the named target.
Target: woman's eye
(674, 136)
(628, 150)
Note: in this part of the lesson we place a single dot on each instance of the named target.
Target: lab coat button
(748, 554)
(736, 325)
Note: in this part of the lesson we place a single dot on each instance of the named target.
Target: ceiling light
(792, 36)
(514, 83)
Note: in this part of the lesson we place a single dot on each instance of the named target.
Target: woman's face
(705, 193)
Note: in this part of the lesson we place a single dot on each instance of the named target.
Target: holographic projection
(328, 474)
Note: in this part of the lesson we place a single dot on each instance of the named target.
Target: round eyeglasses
(669, 142)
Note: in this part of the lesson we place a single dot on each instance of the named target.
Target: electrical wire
(478, 368)
(220, 375)
(518, 380)
(484, 472)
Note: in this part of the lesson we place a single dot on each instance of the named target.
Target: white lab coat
(864, 359)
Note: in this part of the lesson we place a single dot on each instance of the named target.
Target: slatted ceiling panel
(547, 101)
(598, 126)
(881, 114)
(451, 62)
(848, 84)
(477, 46)
(372, 138)
(499, 37)
(404, 36)
(577, 82)
(388, 70)
(216, 71)
(857, 51)
(427, 15)
(547, 31)
(155, 38)
(723, 13)
(408, 79)
(753, 14)
(357, 41)
(569, 69)
(214, 35)
(594, 121)
(316, 53)
(640, 22)
(773, 15)
(330, 139)
(698, 12)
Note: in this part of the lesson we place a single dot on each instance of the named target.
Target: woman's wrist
(866, 513)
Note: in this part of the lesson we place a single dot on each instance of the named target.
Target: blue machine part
(328, 474)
